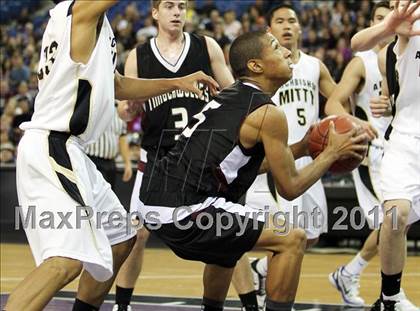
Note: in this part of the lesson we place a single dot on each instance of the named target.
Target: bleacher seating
(10, 9)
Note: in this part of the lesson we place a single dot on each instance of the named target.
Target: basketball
(318, 140)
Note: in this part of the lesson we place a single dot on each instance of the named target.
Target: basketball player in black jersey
(172, 53)
(216, 159)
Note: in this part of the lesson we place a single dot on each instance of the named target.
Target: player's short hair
(380, 4)
(244, 48)
(270, 14)
(57, 1)
(155, 3)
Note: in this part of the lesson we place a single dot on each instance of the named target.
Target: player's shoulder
(195, 36)
(356, 63)
(143, 50)
(366, 55)
(64, 8)
(242, 91)
(308, 58)
(58, 18)
(132, 56)
(252, 91)
(364, 61)
(269, 117)
(199, 41)
(145, 46)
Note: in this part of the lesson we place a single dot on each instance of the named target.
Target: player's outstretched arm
(326, 81)
(85, 18)
(86, 10)
(269, 125)
(219, 67)
(299, 150)
(350, 83)
(337, 103)
(142, 89)
(400, 21)
(381, 106)
(129, 109)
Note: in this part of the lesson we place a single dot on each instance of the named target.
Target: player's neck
(164, 39)
(377, 48)
(265, 85)
(295, 55)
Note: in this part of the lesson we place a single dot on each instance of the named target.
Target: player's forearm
(127, 88)
(299, 149)
(124, 150)
(309, 175)
(336, 107)
(368, 38)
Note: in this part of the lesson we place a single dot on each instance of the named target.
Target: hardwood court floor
(166, 275)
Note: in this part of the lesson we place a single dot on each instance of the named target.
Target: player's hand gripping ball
(318, 140)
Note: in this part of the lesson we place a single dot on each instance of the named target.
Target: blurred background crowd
(327, 27)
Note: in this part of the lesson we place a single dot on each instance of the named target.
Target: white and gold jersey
(299, 97)
(407, 117)
(371, 89)
(73, 97)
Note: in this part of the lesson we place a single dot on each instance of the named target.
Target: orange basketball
(318, 140)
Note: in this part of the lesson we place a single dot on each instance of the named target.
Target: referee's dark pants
(108, 169)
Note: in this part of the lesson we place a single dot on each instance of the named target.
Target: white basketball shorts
(367, 182)
(309, 211)
(56, 180)
(400, 171)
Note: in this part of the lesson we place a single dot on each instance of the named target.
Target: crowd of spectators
(327, 27)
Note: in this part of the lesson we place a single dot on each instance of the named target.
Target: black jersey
(392, 81)
(165, 116)
(208, 159)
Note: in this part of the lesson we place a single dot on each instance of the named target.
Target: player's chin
(288, 73)
(284, 71)
(286, 43)
(283, 79)
(176, 26)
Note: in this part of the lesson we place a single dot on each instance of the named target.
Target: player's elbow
(335, 106)
(287, 192)
(354, 44)
(288, 195)
(328, 109)
(292, 189)
(357, 44)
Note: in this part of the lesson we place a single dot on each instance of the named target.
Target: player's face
(285, 27)
(393, 3)
(379, 16)
(276, 60)
(171, 15)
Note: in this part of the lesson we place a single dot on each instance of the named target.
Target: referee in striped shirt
(104, 151)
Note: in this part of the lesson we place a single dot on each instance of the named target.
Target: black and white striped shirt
(107, 146)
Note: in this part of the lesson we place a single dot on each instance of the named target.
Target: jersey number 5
(301, 116)
(200, 117)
